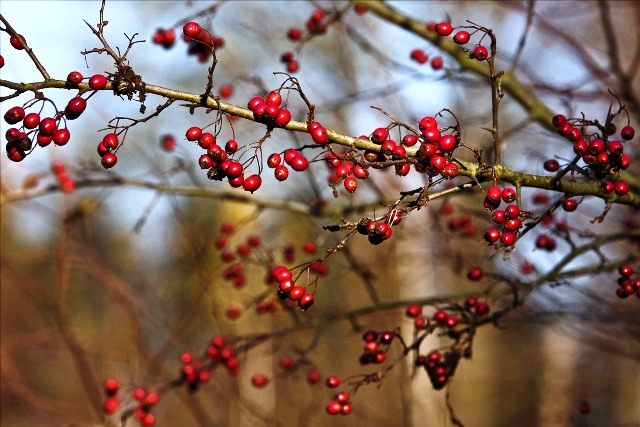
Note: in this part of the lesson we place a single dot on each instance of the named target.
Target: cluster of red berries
(66, 183)
(105, 149)
(20, 140)
(145, 402)
(376, 345)
(440, 367)
(421, 57)
(267, 109)
(340, 404)
(627, 285)
(377, 231)
(165, 38)
(476, 307)
(602, 157)
(462, 37)
(346, 171)
(287, 288)
(509, 218)
(289, 59)
(463, 225)
(201, 42)
(292, 157)
(434, 155)
(218, 162)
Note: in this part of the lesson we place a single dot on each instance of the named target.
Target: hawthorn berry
(319, 135)
(350, 184)
(252, 183)
(332, 382)
(47, 126)
(193, 133)
(437, 62)
(627, 133)
(191, 29)
(480, 53)
(18, 41)
(97, 82)
(61, 136)
(379, 135)
(570, 205)
(494, 193)
(259, 380)
(14, 115)
(621, 188)
(283, 118)
(299, 163)
(31, 120)
(551, 165)
(499, 216)
(461, 37)
(444, 29)
(491, 235)
(475, 273)
(108, 160)
(75, 107)
(226, 91)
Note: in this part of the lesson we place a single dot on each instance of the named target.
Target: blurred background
(119, 280)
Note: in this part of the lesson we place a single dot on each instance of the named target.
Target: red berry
(191, 29)
(259, 380)
(108, 160)
(299, 163)
(111, 386)
(281, 173)
(273, 98)
(621, 188)
(332, 382)
(193, 133)
(226, 91)
(334, 407)
(480, 53)
(437, 62)
(14, 115)
(379, 135)
(75, 108)
(319, 135)
(551, 165)
(627, 133)
(461, 37)
(507, 238)
(444, 29)
(283, 118)
(111, 405)
(491, 235)
(231, 146)
(350, 184)
(306, 301)
(31, 120)
(74, 78)
(252, 183)
(475, 273)
(570, 205)
(61, 136)
(509, 195)
(17, 41)
(494, 193)
(294, 34)
(97, 82)
(110, 141)
(409, 140)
